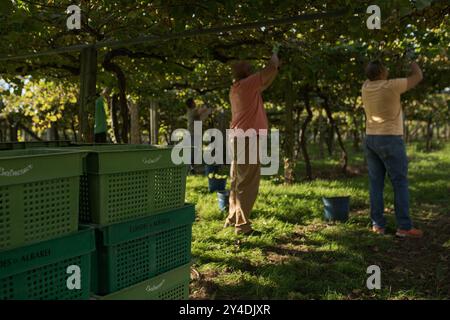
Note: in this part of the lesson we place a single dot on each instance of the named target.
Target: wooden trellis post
(135, 131)
(153, 122)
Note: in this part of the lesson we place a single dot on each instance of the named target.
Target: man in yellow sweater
(385, 148)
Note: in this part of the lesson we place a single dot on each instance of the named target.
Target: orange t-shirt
(381, 99)
(247, 107)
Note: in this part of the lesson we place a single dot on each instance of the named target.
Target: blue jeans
(388, 154)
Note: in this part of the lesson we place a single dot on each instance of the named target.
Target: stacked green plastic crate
(134, 197)
(40, 241)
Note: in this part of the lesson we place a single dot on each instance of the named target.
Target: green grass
(299, 256)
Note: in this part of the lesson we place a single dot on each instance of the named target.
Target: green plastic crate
(39, 271)
(125, 182)
(34, 144)
(49, 144)
(39, 195)
(172, 285)
(5, 146)
(133, 251)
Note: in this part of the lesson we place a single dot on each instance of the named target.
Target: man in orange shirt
(248, 115)
(385, 148)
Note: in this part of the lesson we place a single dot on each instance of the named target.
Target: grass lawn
(300, 256)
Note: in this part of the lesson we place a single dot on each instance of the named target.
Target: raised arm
(415, 77)
(203, 113)
(269, 73)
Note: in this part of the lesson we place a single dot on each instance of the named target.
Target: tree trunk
(13, 127)
(362, 127)
(54, 134)
(289, 136)
(13, 133)
(330, 139)
(321, 136)
(297, 129)
(303, 142)
(114, 119)
(75, 138)
(315, 131)
(406, 131)
(415, 132)
(2, 132)
(121, 80)
(125, 118)
(66, 137)
(355, 132)
(429, 136)
(28, 131)
(153, 117)
(344, 156)
(135, 128)
(88, 80)
(149, 129)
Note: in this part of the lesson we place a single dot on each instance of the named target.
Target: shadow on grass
(292, 268)
(321, 261)
(298, 208)
(331, 262)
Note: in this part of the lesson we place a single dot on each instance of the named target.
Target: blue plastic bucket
(211, 168)
(223, 199)
(336, 208)
(217, 184)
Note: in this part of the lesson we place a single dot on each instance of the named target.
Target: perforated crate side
(172, 248)
(39, 271)
(118, 197)
(134, 261)
(84, 210)
(38, 211)
(6, 146)
(131, 252)
(178, 292)
(127, 195)
(169, 187)
(50, 208)
(48, 282)
(172, 285)
(5, 218)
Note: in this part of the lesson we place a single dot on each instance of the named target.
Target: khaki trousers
(245, 180)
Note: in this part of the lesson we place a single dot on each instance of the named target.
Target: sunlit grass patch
(298, 255)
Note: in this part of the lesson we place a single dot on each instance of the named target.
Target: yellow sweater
(381, 99)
